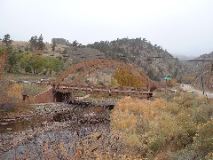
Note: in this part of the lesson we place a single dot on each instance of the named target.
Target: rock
(3, 123)
(9, 129)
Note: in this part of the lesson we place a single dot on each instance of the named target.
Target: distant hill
(209, 55)
(154, 60)
(197, 66)
(184, 58)
(197, 69)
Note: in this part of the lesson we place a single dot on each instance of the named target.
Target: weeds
(177, 129)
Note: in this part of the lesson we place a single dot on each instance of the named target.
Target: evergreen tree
(6, 40)
(53, 45)
(36, 43)
(41, 44)
(33, 42)
(75, 43)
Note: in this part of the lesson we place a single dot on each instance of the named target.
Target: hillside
(196, 71)
(200, 67)
(154, 60)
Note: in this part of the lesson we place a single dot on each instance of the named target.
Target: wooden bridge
(65, 92)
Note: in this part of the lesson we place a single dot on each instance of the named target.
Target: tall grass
(165, 129)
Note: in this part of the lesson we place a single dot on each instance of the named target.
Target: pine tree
(41, 44)
(33, 42)
(75, 43)
(36, 43)
(6, 40)
(53, 45)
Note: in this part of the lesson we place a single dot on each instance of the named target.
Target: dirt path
(189, 88)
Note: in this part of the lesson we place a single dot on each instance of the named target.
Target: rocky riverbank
(56, 126)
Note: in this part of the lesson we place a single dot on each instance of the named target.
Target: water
(20, 125)
(40, 139)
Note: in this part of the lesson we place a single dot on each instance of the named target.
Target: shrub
(203, 113)
(125, 77)
(209, 156)
(203, 141)
(3, 57)
(130, 117)
(32, 63)
(19, 61)
(11, 99)
(181, 127)
(172, 83)
(15, 91)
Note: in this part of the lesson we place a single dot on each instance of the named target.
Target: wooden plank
(108, 91)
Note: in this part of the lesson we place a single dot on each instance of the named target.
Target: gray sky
(183, 27)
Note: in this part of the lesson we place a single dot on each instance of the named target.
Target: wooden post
(202, 85)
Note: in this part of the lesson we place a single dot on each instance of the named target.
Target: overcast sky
(183, 27)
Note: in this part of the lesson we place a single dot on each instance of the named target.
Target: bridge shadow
(68, 98)
(62, 97)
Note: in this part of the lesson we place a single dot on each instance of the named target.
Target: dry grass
(148, 109)
(11, 100)
(165, 129)
(125, 77)
(15, 90)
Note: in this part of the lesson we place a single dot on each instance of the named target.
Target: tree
(12, 61)
(144, 40)
(3, 59)
(33, 42)
(41, 44)
(6, 40)
(53, 64)
(36, 43)
(37, 64)
(53, 45)
(75, 43)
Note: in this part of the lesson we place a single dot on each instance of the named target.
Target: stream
(55, 133)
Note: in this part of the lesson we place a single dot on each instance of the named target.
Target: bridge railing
(141, 92)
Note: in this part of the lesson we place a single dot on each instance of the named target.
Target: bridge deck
(99, 90)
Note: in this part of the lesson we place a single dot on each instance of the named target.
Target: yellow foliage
(114, 82)
(15, 91)
(125, 121)
(160, 126)
(128, 114)
(172, 83)
(125, 77)
(188, 78)
(209, 156)
(148, 109)
(133, 140)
